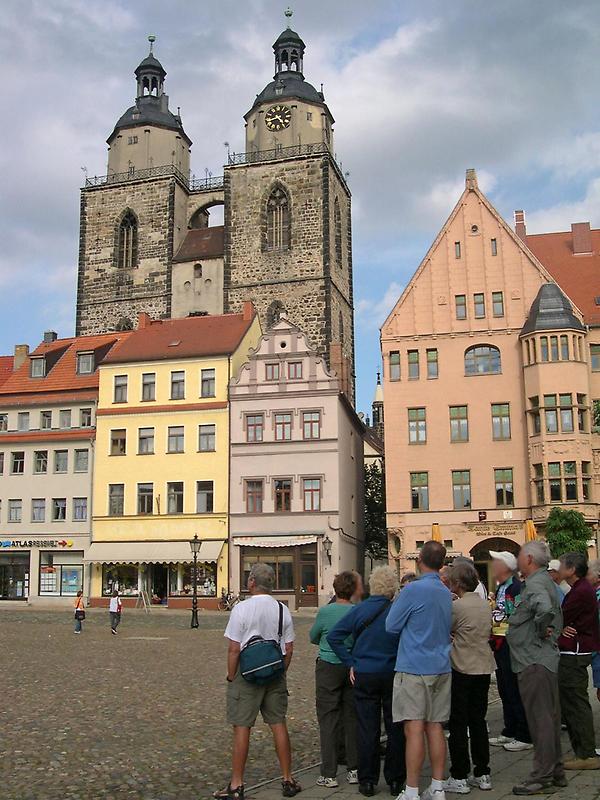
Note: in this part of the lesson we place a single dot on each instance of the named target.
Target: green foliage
(375, 525)
(567, 532)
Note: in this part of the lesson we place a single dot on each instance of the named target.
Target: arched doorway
(481, 556)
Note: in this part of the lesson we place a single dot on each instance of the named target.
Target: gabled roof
(551, 310)
(6, 368)
(202, 243)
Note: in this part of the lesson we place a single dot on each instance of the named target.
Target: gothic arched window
(274, 313)
(278, 233)
(337, 221)
(482, 359)
(127, 243)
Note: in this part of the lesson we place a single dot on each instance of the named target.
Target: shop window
(207, 438)
(23, 421)
(175, 442)
(178, 385)
(59, 509)
(272, 372)
(482, 360)
(283, 494)
(432, 363)
(498, 304)
(394, 365)
(461, 489)
(254, 496)
(40, 462)
(82, 458)
(116, 499)
(295, 370)
(120, 389)
(419, 491)
(479, 305)
(85, 418)
(38, 509)
(79, 509)
(459, 424)
(145, 497)
(254, 427)
(17, 462)
(283, 427)
(417, 426)
(282, 563)
(207, 383)
(311, 490)
(4, 422)
(118, 442)
(15, 510)
(311, 424)
(175, 497)
(503, 479)
(85, 363)
(181, 580)
(123, 577)
(204, 497)
(413, 365)
(460, 305)
(145, 441)
(148, 386)
(500, 421)
(61, 574)
(61, 461)
(46, 420)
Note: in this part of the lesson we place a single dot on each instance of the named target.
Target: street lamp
(195, 545)
(327, 544)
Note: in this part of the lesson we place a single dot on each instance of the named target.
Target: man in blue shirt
(422, 615)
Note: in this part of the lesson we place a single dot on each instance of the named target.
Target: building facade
(296, 470)
(47, 430)
(162, 458)
(488, 389)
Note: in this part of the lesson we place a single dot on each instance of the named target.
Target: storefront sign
(20, 543)
(495, 528)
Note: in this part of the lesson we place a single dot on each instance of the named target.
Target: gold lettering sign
(495, 528)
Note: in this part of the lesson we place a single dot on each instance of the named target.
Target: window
(61, 460)
(503, 479)
(551, 413)
(554, 472)
(175, 497)
(544, 348)
(413, 365)
(37, 367)
(145, 441)
(586, 480)
(81, 463)
(15, 510)
(309, 116)
(40, 462)
(278, 221)
(274, 313)
(570, 472)
(116, 499)
(500, 421)
(207, 436)
(85, 363)
(204, 497)
(564, 348)
(283, 494)
(595, 356)
(23, 421)
(456, 249)
(254, 497)
(283, 565)
(145, 498)
(479, 305)
(272, 372)
(148, 386)
(535, 414)
(123, 577)
(566, 413)
(175, 439)
(61, 574)
(540, 494)
(482, 360)
(295, 370)
(79, 509)
(120, 389)
(432, 363)
(582, 410)
(337, 223)
(85, 418)
(554, 348)
(459, 424)
(132, 140)
(118, 442)
(207, 383)
(17, 463)
(494, 246)
(283, 427)
(64, 418)
(460, 303)
(59, 509)
(311, 424)
(417, 426)
(419, 491)
(394, 365)
(498, 304)
(178, 385)
(3, 422)
(254, 427)
(46, 420)
(311, 491)
(461, 489)
(127, 241)
(1, 463)
(38, 509)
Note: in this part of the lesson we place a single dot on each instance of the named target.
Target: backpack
(261, 660)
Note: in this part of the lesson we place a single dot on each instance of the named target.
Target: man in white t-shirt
(258, 616)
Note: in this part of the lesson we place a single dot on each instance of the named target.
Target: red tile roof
(577, 275)
(191, 337)
(202, 243)
(6, 368)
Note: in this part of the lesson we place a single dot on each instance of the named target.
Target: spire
(289, 50)
(471, 179)
(378, 398)
(377, 408)
(150, 74)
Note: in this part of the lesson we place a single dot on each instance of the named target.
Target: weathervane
(151, 39)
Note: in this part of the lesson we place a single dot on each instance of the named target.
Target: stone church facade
(146, 242)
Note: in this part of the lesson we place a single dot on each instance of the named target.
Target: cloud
(371, 314)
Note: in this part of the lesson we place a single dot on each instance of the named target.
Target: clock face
(278, 117)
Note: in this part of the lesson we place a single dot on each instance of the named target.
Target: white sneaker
(598, 751)
(429, 794)
(483, 782)
(352, 776)
(500, 741)
(328, 783)
(516, 746)
(404, 796)
(457, 786)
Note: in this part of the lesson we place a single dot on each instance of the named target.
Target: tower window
(278, 220)
(309, 116)
(274, 313)
(127, 241)
(132, 140)
(337, 218)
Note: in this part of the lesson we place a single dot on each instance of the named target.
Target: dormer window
(85, 363)
(38, 367)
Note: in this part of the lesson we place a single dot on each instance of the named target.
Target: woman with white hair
(372, 659)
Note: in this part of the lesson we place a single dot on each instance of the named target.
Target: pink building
(296, 470)
(490, 376)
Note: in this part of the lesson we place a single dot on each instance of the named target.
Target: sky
(421, 90)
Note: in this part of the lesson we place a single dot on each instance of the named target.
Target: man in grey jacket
(533, 630)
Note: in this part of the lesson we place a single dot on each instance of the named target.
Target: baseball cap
(508, 558)
(554, 565)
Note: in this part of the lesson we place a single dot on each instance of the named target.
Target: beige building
(488, 383)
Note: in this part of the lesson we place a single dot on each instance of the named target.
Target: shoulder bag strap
(280, 628)
(362, 628)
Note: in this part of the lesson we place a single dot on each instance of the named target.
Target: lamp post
(327, 545)
(195, 545)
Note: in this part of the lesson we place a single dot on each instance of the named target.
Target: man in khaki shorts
(258, 616)
(422, 615)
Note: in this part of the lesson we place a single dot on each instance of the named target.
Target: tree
(567, 532)
(375, 527)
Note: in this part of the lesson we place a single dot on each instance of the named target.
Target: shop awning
(274, 541)
(150, 552)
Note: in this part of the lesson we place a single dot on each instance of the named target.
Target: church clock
(278, 117)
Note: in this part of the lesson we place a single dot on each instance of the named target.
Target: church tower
(288, 239)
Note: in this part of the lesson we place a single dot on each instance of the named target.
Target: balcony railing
(258, 156)
(167, 170)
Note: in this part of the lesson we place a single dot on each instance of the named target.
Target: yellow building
(161, 470)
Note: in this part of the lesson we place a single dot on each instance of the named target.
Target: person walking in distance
(515, 733)
(260, 618)
(579, 641)
(79, 611)
(422, 616)
(533, 631)
(115, 607)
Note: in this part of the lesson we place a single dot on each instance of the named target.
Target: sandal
(229, 794)
(290, 788)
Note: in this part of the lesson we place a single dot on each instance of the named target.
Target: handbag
(261, 660)
(79, 613)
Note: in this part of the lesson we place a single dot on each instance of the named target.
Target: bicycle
(228, 600)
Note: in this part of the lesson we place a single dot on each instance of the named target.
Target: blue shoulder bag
(261, 660)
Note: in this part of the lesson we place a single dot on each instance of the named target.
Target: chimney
(144, 321)
(520, 228)
(248, 310)
(21, 354)
(582, 238)
(471, 179)
(50, 336)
